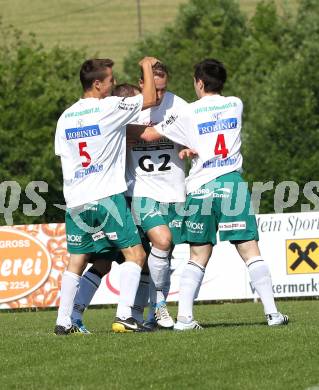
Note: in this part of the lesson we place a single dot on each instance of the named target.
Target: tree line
(272, 66)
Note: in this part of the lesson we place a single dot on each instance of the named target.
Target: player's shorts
(108, 255)
(149, 213)
(100, 226)
(221, 205)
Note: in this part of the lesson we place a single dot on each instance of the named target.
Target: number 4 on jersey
(220, 147)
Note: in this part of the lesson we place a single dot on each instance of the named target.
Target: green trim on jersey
(101, 226)
(221, 205)
(149, 213)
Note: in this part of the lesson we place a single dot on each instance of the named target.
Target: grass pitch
(236, 350)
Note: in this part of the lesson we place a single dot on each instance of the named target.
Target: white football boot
(193, 325)
(276, 319)
(163, 319)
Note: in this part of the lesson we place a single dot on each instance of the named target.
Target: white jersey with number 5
(211, 126)
(154, 169)
(91, 141)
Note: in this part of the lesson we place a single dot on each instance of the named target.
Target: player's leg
(111, 225)
(89, 283)
(143, 291)
(199, 229)
(261, 280)
(190, 282)
(79, 246)
(130, 274)
(69, 286)
(174, 220)
(173, 216)
(237, 224)
(151, 320)
(159, 266)
(147, 215)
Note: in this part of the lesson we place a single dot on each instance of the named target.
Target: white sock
(158, 264)
(141, 299)
(69, 287)
(261, 280)
(190, 282)
(166, 288)
(89, 283)
(129, 281)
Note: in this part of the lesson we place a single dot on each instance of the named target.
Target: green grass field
(236, 350)
(108, 28)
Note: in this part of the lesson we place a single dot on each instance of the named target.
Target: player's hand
(190, 153)
(148, 60)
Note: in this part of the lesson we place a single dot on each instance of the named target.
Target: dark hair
(125, 90)
(94, 69)
(212, 73)
(159, 69)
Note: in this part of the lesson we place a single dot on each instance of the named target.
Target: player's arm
(172, 127)
(141, 132)
(149, 91)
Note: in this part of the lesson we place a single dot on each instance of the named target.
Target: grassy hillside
(105, 27)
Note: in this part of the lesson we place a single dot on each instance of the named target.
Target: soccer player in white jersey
(91, 141)
(156, 183)
(212, 127)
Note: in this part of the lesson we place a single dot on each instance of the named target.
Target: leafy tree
(272, 65)
(271, 61)
(203, 28)
(283, 125)
(35, 88)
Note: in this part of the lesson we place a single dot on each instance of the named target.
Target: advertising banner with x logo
(302, 256)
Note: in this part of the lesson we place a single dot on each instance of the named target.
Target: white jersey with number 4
(211, 126)
(91, 141)
(154, 169)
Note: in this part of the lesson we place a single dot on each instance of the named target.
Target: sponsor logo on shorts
(74, 238)
(227, 226)
(203, 193)
(219, 125)
(175, 224)
(98, 236)
(151, 214)
(196, 227)
(111, 236)
(82, 132)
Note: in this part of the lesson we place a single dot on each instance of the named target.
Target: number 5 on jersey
(85, 154)
(220, 146)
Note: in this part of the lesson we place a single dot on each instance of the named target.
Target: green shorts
(221, 205)
(108, 255)
(100, 226)
(149, 213)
